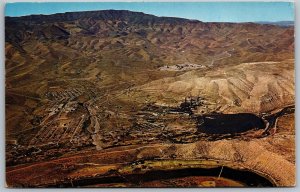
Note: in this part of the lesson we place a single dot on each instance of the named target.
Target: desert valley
(116, 98)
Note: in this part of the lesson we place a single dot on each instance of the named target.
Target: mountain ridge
(116, 14)
(107, 23)
(98, 14)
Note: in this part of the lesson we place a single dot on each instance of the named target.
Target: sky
(203, 11)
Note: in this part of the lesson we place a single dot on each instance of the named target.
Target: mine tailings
(229, 123)
(238, 123)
